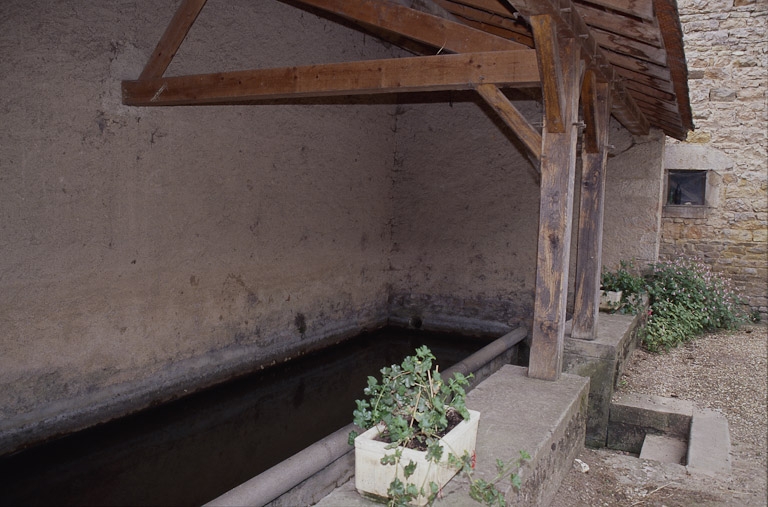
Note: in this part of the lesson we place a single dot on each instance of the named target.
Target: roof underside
(634, 45)
(641, 39)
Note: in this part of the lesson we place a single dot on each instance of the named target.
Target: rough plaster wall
(633, 189)
(466, 214)
(142, 250)
(727, 53)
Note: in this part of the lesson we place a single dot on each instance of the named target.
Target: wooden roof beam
(570, 25)
(425, 73)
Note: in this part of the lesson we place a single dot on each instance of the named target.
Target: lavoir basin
(194, 449)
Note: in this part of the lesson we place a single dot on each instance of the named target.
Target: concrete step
(709, 448)
(664, 448)
(637, 420)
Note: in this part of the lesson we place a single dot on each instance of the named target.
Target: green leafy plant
(413, 402)
(416, 407)
(631, 286)
(487, 492)
(686, 298)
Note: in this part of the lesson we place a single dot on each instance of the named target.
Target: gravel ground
(725, 371)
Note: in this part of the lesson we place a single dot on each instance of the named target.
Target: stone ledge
(546, 419)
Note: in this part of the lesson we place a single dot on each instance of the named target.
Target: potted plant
(419, 432)
(621, 290)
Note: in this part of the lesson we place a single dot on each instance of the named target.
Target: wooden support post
(596, 101)
(558, 168)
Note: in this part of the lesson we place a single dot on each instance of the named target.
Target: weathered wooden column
(596, 102)
(560, 67)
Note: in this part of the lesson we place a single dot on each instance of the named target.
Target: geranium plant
(413, 407)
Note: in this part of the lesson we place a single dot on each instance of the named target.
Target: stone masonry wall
(726, 51)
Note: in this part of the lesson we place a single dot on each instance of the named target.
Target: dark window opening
(686, 187)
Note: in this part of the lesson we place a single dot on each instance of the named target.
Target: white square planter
(610, 300)
(373, 478)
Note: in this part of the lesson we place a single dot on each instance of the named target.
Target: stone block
(601, 360)
(633, 416)
(709, 444)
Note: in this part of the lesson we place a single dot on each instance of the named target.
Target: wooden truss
(566, 62)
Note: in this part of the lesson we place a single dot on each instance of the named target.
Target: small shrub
(686, 299)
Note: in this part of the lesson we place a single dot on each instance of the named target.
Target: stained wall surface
(144, 251)
(466, 212)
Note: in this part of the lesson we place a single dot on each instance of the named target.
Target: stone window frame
(687, 157)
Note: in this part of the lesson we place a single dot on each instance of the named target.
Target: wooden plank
(172, 38)
(623, 45)
(494, 6)
(645, 79)
(545, 39)
(422, 27)
(619, 24)
(626, 62)
(527, 40)
(650, 91)
(594, 156)
(425, 73)
(639, 8)
(512, 117)
(558, 164)
(495, 23)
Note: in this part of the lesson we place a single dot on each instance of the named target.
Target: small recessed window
(686, 187)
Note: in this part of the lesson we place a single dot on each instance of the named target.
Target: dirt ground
(725, 371)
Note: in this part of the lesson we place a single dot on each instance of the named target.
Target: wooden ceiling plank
(616, 23)
(493, 6)
(621, 44)
(660, 105)
(425, 73)
(529, 136)
(645, 79)
(570, 25)
(629, 63)
(640, 8)
(172, 38)
(476, 17)
(650, 91)
(420, 26)
(527, 40)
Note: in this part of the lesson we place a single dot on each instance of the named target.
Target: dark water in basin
(192, 450)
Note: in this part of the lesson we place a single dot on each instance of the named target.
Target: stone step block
(709, 448)
(664, 448)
